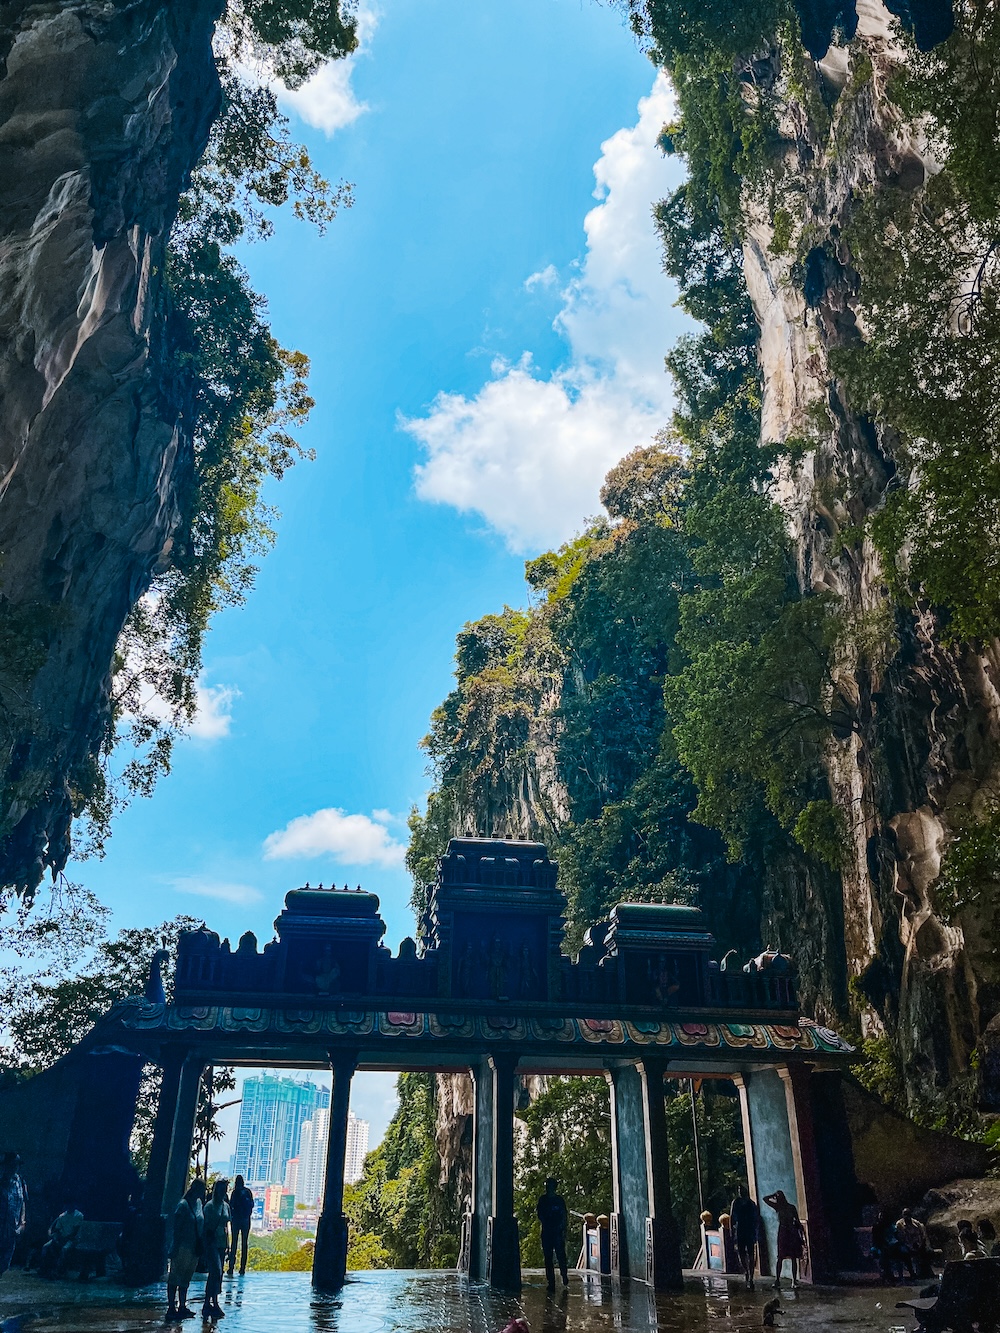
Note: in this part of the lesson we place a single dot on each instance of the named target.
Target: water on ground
(443, 1302)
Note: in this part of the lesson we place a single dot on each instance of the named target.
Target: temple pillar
(149, 1257)
(503, 1250)
(664, 1270)
(781, 1155)
(330, 1256)
(805, 1162)
(763, 1255)
(482, 1168)
(179, 1156)
(628, 1172)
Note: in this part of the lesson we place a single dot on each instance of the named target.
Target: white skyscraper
(312, 1156)
(311, 1175)
(357, 1147)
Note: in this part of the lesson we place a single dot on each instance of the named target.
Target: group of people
(899, 1243)
(744, 1221)
(204, 1234)
(979, 1241)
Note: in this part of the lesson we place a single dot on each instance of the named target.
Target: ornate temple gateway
(489, 992)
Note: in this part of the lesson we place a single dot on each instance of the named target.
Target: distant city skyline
(272, 1112)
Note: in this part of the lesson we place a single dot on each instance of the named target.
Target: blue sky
(486, 338)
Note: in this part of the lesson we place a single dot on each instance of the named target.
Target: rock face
(104, 107)
(924, 758)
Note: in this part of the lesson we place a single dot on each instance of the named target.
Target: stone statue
(327, 974)
(666, 982)
(155, 993)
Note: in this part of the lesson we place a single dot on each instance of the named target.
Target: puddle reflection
(443, 1302)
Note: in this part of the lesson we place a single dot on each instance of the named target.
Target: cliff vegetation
(152, 388)
(765, 681)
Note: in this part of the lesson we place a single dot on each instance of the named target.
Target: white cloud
(356, 840)
(529, 453)
(546, 277)
(223, 890)
(214, 715)
(328, 100)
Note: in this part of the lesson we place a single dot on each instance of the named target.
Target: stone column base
(330, 1258)
(663, 1255)
(503, 1254)
(147, 1252)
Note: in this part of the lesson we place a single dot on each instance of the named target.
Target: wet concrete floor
(442, 1302)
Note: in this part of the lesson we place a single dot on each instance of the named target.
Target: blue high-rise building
(271, 1117)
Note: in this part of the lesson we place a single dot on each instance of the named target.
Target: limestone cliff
(557, 727)
(105, 107)
(924, 758)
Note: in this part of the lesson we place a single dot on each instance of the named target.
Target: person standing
(241, 1208)
(791, 1243)
(185, 1245)
(745, 1220)
(13, 1207)
(216, 1243)
(553, 1217)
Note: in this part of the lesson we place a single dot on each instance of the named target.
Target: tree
(567, 1134)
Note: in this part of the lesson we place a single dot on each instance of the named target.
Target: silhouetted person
(886, 1247)
(216, 1244)
(744, 1218)
(912, 1237)
(13, 1207)
(241, 1209)
(62, 1237)
(553, 1217)
(189, 1226)
(791, 1243)
(968, 1242)
(988, 1238)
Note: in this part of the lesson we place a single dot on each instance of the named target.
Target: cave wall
(104, 108)
(928, 741)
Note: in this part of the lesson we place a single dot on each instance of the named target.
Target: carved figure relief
(497, 969)
(327, 975)
(528, 974)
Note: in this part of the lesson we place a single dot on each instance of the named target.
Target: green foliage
(722, 63)
(292, 37)
(479, 738)
(879, 1071)
(819, 830)
(720, 1139)
(781, 240)
(286, 1251)
(48, 1009)
(930, 292)
(567, 1134)
(61, 974)
(401, 1215)
(970, 866)
(242, 394)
